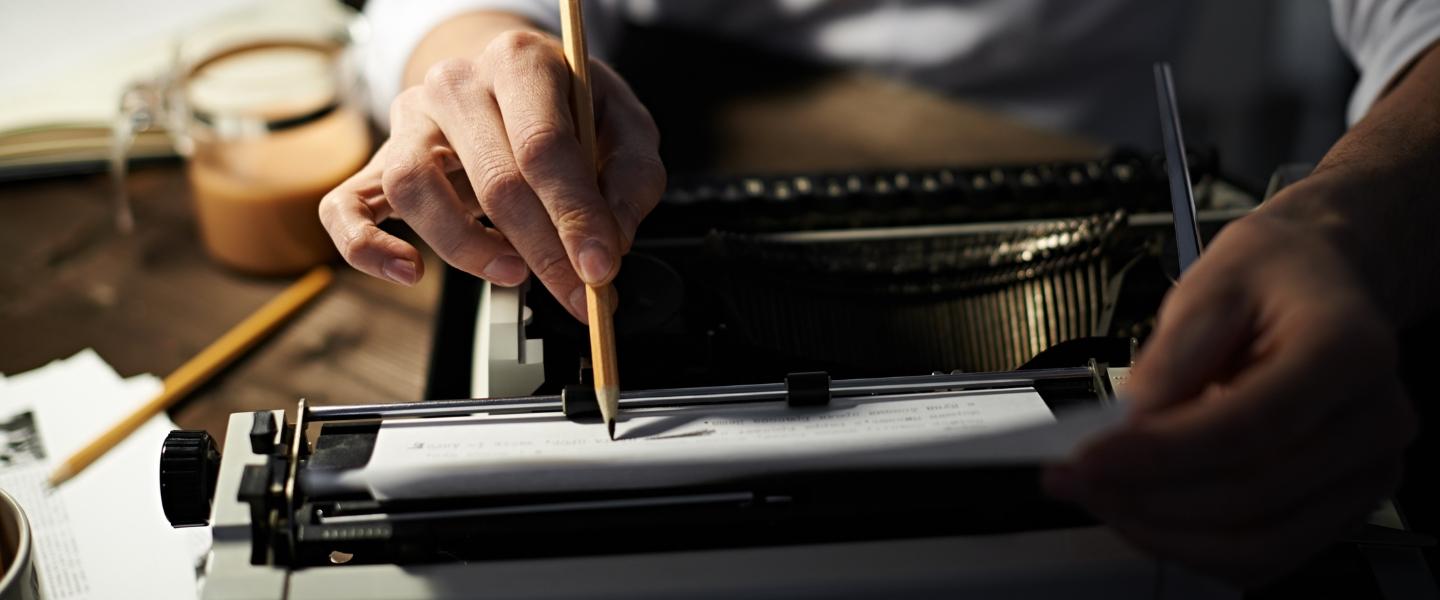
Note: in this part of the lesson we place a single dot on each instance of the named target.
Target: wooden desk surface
(149, 301)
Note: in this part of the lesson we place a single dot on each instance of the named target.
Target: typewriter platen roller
(276, 536)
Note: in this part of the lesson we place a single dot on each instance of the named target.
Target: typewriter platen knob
(189, 464)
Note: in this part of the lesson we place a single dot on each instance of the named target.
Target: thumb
(1203, 331)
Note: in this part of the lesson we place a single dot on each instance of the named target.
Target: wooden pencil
(199, 369)
(599, 300)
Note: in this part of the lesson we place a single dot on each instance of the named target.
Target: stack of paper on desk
(673, 447)
(103, 533)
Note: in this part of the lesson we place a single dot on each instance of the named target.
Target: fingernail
(595, 262)
(506, 270)
(399, 270)
(577, 300)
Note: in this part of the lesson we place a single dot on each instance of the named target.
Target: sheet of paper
(666, 447)
(102, 534)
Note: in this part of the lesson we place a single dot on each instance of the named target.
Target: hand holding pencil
(486, 128)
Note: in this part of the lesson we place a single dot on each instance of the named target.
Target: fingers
(532, 90)
(632, 176)
(1249, 358)
(1275, 403)
(1250, 556)
(1204, 322)
(417, 187)
(1299, 368)
(470, 121)
(495, 136)
(350, 214)
(1265, 486)
(1238, 302)
(1305, 374)
(1251, 454)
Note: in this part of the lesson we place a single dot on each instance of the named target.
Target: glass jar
(264, 107)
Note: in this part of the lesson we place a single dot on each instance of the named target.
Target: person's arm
(1374, 194)
(1267, 416)
(484, 128)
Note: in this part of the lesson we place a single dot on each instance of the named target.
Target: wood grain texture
(200, 368)
(150, 301)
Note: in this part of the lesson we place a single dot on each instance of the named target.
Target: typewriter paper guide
(476, 456)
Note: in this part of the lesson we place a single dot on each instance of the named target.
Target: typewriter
(745, 279)
(739, 288)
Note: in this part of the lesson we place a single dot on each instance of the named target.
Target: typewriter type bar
(701, 396)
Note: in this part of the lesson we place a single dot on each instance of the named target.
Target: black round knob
(189, 464)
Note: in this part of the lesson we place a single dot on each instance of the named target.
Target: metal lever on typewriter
(700, 396)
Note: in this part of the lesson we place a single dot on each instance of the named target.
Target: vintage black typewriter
(776, 291)
(1037, 276)
(737, 279)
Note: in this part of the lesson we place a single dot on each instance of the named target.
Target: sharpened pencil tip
(610, 426)
(64, 473)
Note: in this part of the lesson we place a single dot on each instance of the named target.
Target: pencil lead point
(60, 476)
(610, 426)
